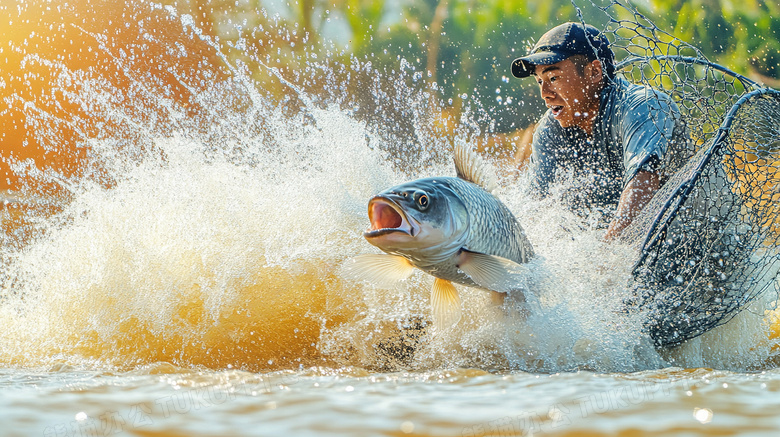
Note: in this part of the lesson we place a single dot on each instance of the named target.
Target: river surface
(182, 274)
(164, 400)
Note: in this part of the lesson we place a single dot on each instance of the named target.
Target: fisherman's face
(572, 98)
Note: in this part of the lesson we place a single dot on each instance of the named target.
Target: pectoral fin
(493, 272)
(381, 270)
(446, 304)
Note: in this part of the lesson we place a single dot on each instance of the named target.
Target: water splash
(210, 217)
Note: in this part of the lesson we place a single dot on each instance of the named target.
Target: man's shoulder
(632, 102)
(624, 92)
(622, 86)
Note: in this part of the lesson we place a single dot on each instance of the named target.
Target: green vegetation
(465, 46)
(741, 34)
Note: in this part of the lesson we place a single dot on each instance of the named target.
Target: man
(610, 136)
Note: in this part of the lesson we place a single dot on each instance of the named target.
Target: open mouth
(556, 110)
(385, 217)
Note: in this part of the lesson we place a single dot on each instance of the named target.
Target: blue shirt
(633, 130)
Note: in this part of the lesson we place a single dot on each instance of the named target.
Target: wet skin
(572, 98)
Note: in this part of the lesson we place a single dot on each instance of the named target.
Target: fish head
(421, 215)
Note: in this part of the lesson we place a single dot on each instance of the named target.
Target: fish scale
(493, 229)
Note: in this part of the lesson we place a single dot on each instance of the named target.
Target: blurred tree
(357, 51)
(463, 48)
(743, 35)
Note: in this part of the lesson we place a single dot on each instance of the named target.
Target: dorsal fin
(471, 167)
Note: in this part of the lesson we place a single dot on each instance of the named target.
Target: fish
(453, 228)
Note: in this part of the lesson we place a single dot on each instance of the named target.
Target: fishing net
(709, 237)
(707, 242)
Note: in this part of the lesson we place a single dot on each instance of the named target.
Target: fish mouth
(386, 217)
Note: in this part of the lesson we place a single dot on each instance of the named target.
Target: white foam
(219, 242)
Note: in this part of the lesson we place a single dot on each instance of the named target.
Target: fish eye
(422, 200)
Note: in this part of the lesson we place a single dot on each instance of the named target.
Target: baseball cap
(563, 41)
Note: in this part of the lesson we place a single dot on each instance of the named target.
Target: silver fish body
(457, 216)
(450, 227)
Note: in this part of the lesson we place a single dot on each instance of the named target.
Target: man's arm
(635, 196)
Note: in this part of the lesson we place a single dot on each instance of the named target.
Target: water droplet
(703, 415)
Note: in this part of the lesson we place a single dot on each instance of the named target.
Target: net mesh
(707, 242)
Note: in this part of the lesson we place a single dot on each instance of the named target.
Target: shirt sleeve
(647, 125)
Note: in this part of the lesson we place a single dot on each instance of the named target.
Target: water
(184, 275)
(161, 399)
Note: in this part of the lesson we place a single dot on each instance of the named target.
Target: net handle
(747, 83)
(722, 134)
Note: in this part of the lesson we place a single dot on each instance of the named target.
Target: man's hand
(635, 196)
